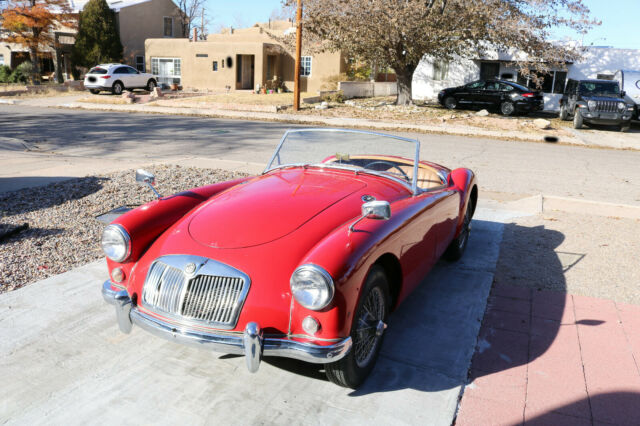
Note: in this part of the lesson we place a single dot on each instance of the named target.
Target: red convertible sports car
(304, 261)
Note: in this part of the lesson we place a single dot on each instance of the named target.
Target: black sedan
(507, 96)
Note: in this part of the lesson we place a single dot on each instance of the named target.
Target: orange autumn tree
(31, 23)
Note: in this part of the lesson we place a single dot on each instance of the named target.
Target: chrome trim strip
(226, 342)
(414, 185)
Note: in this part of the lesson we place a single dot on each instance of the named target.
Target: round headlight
(116, 243)
(312, 287)
(592, 105)
(621, 106)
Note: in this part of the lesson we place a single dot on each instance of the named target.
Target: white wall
(424, 87)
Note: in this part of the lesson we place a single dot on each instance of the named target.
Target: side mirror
(623, 94)
(145, 178)
(377, 210)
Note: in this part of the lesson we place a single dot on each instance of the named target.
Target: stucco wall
(6, 54)
(143, 21)
(197, 72)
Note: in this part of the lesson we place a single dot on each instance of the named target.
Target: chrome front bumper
(252, 344)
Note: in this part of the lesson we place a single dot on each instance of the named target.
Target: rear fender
(464, 181)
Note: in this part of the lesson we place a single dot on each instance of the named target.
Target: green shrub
(337, 96)
(5, 73)
(22, 73)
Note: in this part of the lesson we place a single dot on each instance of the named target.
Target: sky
(619, 18)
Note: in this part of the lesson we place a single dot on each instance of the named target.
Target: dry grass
(45, 93)
(104, 99)
(244, 98)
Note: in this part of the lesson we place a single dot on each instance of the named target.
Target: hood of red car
(269, 207)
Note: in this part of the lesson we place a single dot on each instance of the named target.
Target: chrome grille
(606, 106)
(212, 296)
(211, 299)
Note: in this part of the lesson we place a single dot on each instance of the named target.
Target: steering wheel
(391, 165)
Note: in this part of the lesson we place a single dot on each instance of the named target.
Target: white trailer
(629, 81)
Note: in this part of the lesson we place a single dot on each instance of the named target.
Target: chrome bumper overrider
(251, 343)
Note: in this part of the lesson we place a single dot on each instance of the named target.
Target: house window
(167, 70)
(168, 26)
(551, 82)
(215, 65)
(305, 66)
(222, 63)
(1, 59)
(440, 70)
(140, 63)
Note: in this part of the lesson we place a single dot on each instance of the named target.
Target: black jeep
(596, 102)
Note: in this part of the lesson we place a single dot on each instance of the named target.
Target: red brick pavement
(550, 358)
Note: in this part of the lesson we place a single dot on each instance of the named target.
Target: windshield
(97, 70)
(599, 88)
(390, 156)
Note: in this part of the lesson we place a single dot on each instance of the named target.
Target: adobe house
(238, 59)
(138, 20)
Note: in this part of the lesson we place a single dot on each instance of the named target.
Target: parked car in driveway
(597, 102)
(116, 78)
(304, 261)
(506, 96)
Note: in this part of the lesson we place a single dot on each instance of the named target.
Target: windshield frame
(413, 187)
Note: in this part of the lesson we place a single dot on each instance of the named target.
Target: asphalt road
(77, 142)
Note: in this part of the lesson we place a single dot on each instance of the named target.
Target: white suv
(116, 78)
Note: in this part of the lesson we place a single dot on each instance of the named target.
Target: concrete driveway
(64, 361)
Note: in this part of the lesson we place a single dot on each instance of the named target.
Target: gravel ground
(63, 232)
(579, 254)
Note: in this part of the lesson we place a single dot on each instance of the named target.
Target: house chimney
(195, 35)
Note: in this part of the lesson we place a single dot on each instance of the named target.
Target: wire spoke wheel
(366, 337)
(466, 228)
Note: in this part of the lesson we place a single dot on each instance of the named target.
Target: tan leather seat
(427, 176)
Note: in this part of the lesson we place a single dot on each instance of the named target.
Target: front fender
(348, 257)
(145, 223)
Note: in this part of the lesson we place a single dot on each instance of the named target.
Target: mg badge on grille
(190, 268)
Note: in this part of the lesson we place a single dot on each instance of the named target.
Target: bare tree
(286, 12)
(399, 33)
(190, 14)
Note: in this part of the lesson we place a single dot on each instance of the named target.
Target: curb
(328, 121)
(549, 203)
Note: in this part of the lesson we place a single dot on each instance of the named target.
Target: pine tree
(97, 41)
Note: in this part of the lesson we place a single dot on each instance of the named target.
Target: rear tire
(373, 306)
(94, 91)
(564, 114)
(578, 121)
(450, 102)
(507, 108)
(117, 88)
(458, 246)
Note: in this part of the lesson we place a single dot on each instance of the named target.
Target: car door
(122, 74)
(469, 94)
(490, 95)
(135, 77)
(572, 95)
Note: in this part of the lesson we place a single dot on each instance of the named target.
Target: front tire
(450, 102)
(458, 246)
(94, 91)
(366, 332)
(151, 84)
(507, 108)
(578, 121)
(624, 128)
(117, 88)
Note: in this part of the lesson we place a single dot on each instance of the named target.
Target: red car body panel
(269, 225)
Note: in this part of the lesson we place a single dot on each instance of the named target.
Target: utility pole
(296, 77)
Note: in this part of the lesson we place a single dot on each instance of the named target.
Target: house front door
(247, 71)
